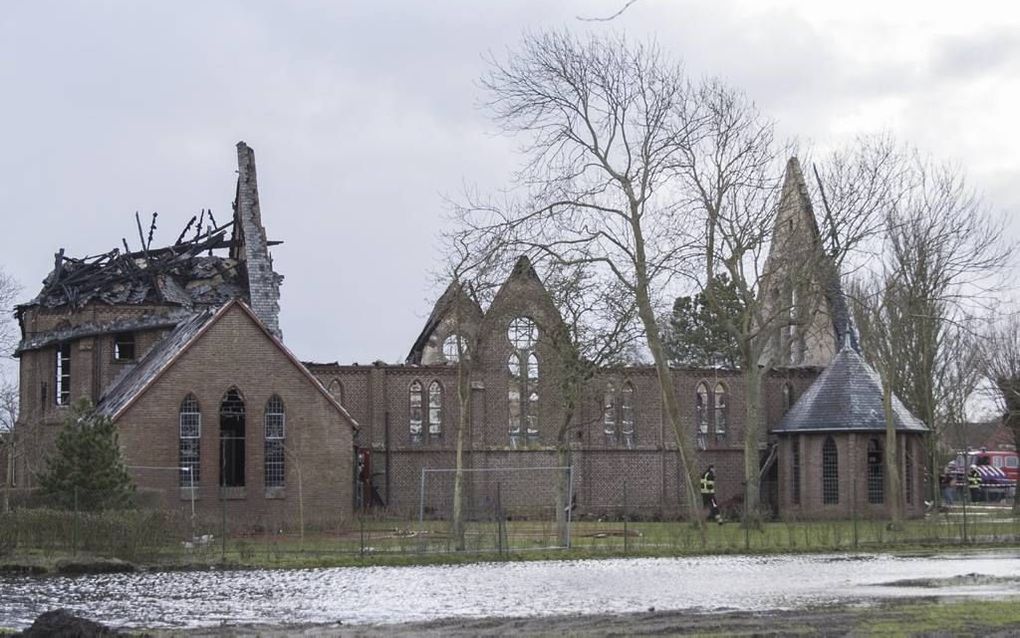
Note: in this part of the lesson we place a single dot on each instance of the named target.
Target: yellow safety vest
(707, 484)
(974, 479)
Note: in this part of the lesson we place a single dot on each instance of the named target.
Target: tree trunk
(670, 403)
(892, 473)
(563, 503)
(753, 376)
(464, 401)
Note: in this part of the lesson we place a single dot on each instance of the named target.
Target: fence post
(499, 517)
(626, 538)
(223, 526)
(421, 500)
(570, 499)
(362, 520)
(74, 527)
(854, 509)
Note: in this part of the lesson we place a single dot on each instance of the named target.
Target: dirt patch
(842, 620)
(61, 623)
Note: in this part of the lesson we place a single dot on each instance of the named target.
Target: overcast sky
(363, 114)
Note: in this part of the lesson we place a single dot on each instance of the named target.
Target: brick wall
(234, 352)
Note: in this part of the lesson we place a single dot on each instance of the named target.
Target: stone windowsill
(233, 493)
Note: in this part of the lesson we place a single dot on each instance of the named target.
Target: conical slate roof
(847, 396)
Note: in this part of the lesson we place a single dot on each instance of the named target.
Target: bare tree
(782, 264)
(604, 125)
(598, 328)
(939, 267)
(8, 448)
(1001, 365)
(9, 290)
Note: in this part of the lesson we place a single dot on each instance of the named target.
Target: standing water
(357, 595)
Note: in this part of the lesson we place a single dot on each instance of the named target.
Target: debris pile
(186, 273)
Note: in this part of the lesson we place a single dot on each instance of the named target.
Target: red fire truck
(998, 470)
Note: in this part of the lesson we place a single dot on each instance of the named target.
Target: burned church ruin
(181, 346)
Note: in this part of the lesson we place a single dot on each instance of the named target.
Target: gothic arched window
(416, 417)
(701, 400)
(435, 409)
(830, 472)
(232, 439)
(721, 411)
(627, 414)
(336, 390)
(876, 473)
(453, 347)
(787, 397)
(795, 472)
(609, 414)
(522, 333)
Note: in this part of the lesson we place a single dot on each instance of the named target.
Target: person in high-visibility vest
(708, 494)
(974, 483)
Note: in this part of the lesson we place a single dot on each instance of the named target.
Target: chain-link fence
(149, 534)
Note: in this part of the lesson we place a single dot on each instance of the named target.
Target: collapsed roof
(179, 279)
(186, 273)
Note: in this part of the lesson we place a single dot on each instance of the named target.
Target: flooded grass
(478, 591)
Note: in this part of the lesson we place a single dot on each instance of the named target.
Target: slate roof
(132, 381)
(847, 396)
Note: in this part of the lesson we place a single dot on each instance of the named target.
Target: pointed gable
(137, 381)
(443, 321)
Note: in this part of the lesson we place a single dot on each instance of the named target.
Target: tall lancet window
(523, 386)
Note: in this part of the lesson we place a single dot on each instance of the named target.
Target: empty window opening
(795, 472)
(455, 349)
(415, 410)
(232, 439)
(63, 376)
(830, 472)
(721, 411)
(522, 393)
(701, 415)
(522, 333)
(190, 424)
(532, 419)
(787, 397)
(336, 390)
(876, 473)
(276, 430)
(435, 409)
(609, 414)
(618, 414)
(124, 346)
(514, 399)
(627, 414)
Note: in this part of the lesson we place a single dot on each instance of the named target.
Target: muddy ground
(821, 621)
